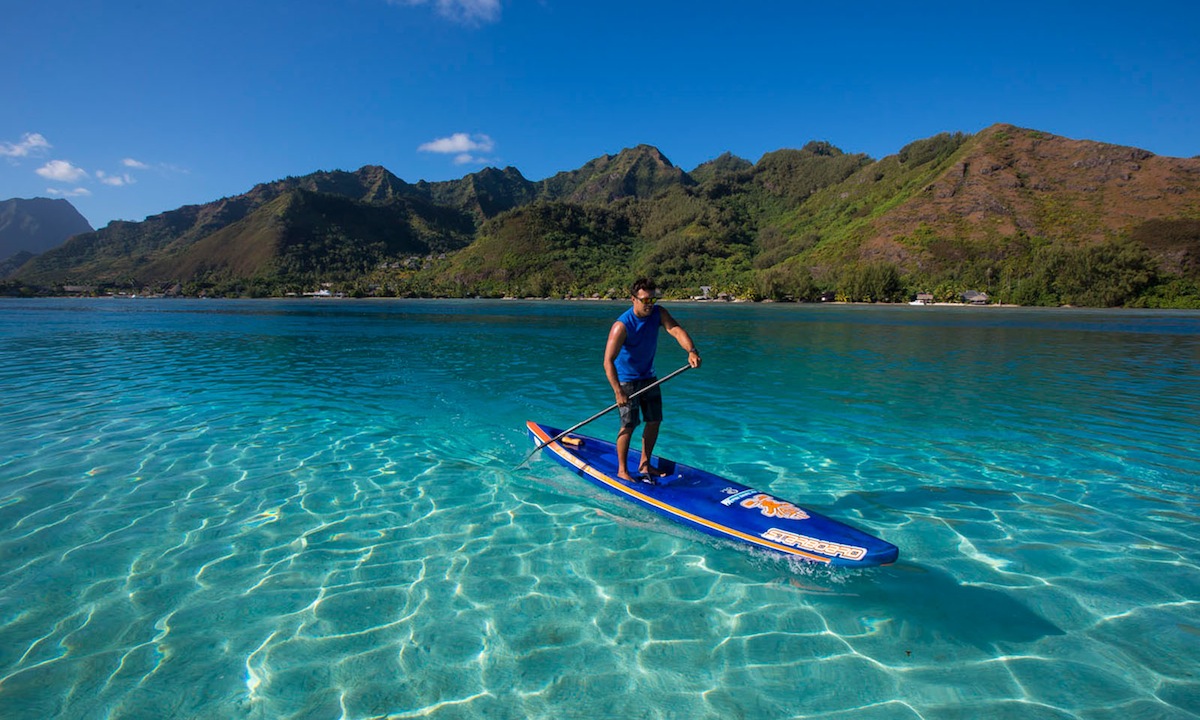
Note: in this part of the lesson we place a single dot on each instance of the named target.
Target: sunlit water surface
(309, 509)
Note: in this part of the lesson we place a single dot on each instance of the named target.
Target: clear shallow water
(308, 509)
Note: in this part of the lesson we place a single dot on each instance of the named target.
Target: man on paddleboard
(629, 365)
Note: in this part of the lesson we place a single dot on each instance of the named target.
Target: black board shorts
(648, 406)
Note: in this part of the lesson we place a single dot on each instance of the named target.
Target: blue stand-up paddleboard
(719, 507)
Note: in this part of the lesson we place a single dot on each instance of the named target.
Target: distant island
(1010, 215)
(32, 226)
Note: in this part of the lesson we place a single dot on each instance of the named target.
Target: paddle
(603, 412)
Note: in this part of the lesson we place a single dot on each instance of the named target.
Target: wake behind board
(719, 507)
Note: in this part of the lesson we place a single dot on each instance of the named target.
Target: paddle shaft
(602, 413)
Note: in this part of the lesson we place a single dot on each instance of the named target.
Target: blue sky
(130, 109)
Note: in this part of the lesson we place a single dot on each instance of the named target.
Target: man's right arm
(616, 340)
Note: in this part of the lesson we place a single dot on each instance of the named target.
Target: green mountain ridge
(1025, 215)
(639, 172)
(484, 194)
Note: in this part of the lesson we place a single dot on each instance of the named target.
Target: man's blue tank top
(636, 359)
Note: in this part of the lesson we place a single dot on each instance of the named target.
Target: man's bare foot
(641, 478)
(651, 471)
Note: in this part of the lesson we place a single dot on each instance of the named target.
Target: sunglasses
(646, 301)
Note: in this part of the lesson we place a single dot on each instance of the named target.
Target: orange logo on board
(772, 507)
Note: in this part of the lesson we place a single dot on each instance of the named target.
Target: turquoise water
(308, 509)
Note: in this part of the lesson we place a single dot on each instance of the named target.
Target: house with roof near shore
(974, 297)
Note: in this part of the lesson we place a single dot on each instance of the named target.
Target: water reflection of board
(720, 507)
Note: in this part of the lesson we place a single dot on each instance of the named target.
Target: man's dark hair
(642, 284)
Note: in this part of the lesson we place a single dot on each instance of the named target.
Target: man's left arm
(681, 336)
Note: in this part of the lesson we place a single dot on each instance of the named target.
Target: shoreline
(690, 301)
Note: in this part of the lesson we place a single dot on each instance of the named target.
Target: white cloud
(115, 180)
(77, 192)
(459, 143)
(463, 147)
(62, 171)
(471, 12)
(30, 143)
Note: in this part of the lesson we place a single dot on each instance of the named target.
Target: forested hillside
(1025, 216)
